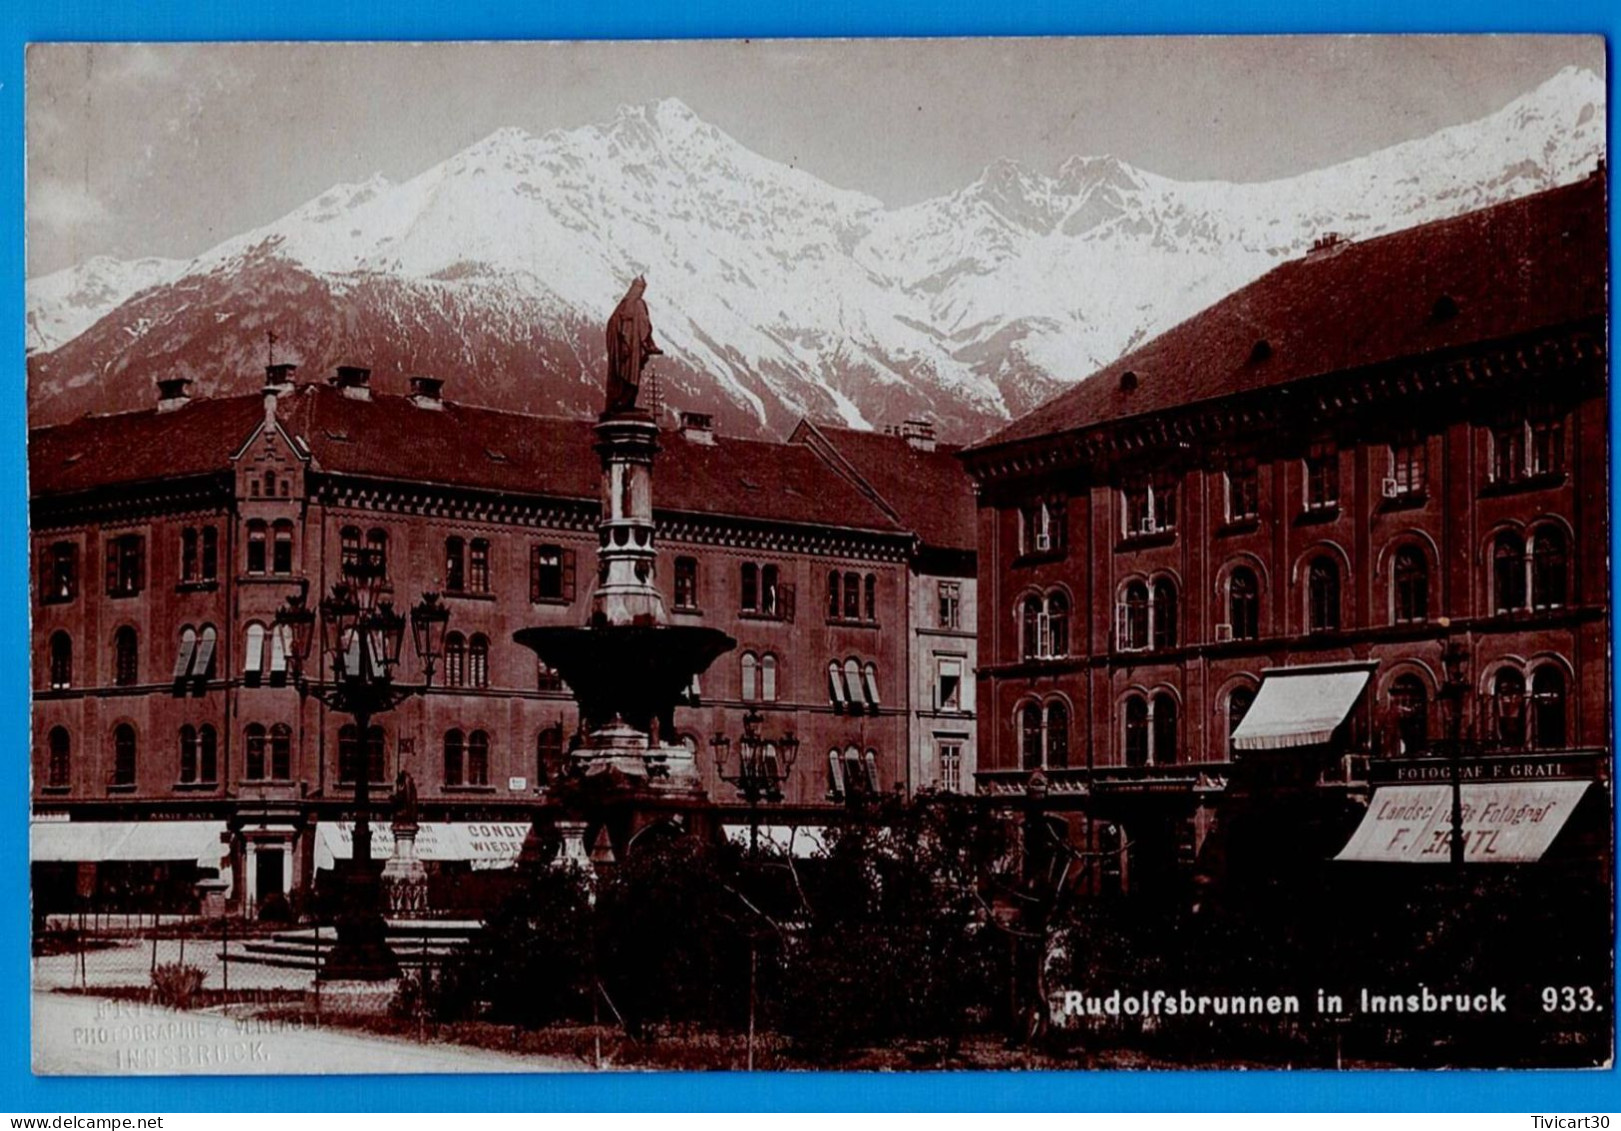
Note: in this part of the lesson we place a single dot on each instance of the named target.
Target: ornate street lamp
(1455, 667)
(762, 765)
(361, 635)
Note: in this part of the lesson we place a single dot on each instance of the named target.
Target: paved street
(83, 1035)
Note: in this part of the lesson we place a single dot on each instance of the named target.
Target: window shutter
(204, 665)
(785, 602)
(1120, 615)
(568, 575)
(835, 773)
(112, 565)
(534, 573)
(139, 572)
(182, 663)
(835, 687)
(872, 771)
(869, 679)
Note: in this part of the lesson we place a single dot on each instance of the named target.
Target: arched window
(211, 553)
(455, 748)
(1244, 603)
(203, 667)
(478, 758)
(126, 657)
(1508, 572)
(870, 588)
(834, 608)
(281, 548)
(768, 590)
(1030, 735)
(59, 769)
(188, 554)
(1031, 624)
(750, 672)
(1549, 583)
(1411, 585)
(256, 546)
(1132, 624)
(188, 754)
(253, 760)
(478, 661)
(1163, 737)
(1164, 613)
(455, 564)
(1410, 709)
(376, 549)
(124, 754)
(1057, 735)
(1057, 625)
(455, 660)
(207, 754)
(1136, 730)
(1508, 705)
(768, 678)
(1548, 730)
(349, 753)
(349, 549)
(1238, 705)
(281, 752)
(1322, 595)
(61, 660)
(852, 596)
(856, 778)
(548, 754)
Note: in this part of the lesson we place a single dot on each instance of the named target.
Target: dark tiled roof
(140, 447)
(387, 437)
(930, 491)
(1539, 261)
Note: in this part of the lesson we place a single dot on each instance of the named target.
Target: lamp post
(762, 766)
(1455, 665)
(361, 634)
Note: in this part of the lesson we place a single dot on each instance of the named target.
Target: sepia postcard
(819, 555)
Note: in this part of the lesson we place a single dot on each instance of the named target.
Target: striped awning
(1301, 708)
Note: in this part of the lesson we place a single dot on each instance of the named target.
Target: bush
(531, 964)
(176, 985)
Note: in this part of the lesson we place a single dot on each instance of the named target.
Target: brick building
(165, 541)
(1366, 454)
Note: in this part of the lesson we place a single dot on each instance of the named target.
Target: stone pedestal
(405, 879)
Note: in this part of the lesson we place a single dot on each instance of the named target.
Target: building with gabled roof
(1372, 453)
(167, 539)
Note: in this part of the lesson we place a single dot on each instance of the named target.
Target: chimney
(918, 434)
(173, 393)
(353, 381)
(279, 377)
(1329, 243)
(425, 393)
(699, 427)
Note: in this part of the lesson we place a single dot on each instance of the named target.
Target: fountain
(628, 666)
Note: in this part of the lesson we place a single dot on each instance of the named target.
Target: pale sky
(168, 149)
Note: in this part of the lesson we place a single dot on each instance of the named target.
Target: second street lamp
(762, 766)
(361, 635)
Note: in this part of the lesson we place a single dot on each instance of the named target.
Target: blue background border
(33, 20)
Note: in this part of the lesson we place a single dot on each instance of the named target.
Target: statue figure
(630, 344)
(405, 799)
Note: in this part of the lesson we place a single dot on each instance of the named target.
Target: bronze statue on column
(630, 344)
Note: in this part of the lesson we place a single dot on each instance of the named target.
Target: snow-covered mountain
(775, 294)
